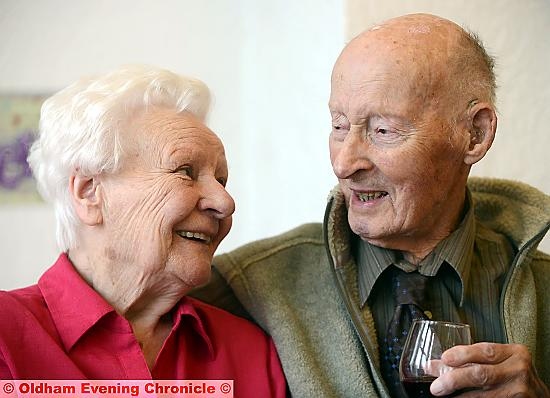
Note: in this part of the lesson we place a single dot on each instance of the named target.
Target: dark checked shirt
(469, 269)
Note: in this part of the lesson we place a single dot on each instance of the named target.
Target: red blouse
(62, 329)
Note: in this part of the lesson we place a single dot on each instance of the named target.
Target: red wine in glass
(420, 388)
(421, 357)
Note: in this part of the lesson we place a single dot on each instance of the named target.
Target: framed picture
(19, 116)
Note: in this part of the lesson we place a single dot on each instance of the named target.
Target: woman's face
(167, 209)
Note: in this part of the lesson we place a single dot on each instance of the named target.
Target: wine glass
(420, 360)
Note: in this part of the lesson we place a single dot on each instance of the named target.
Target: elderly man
(412, 106)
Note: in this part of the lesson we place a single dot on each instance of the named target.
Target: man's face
(167, 209)
(398, 160)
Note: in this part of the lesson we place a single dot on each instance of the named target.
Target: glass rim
(446, 323)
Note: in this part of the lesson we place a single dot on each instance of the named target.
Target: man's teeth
(194, 235)
(365, 197)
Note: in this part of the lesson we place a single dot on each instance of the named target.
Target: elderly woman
(138, 185)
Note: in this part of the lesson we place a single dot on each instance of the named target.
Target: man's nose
(351, 155)
(216, 200)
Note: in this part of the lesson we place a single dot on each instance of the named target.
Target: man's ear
(86, 195)
(482, 131)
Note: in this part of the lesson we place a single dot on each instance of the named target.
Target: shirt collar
(75, 307)
(187, 309)
(371, 262)
(456, 250)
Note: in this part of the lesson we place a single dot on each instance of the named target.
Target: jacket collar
(515, 209)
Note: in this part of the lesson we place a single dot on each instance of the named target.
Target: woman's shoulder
(22, 310)
(27, 298)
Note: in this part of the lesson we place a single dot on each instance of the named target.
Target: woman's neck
(146, 301)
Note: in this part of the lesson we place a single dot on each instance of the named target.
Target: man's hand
(491, 370)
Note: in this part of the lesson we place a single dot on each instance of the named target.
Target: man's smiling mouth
(368, 196)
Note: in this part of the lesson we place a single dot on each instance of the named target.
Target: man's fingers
(493, 366)
(492, 369)
(473, 376)
(484, 353)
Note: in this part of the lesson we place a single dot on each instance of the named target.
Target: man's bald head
(433, 57)
(412, 110)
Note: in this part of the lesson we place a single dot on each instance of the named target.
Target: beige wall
(268, 64)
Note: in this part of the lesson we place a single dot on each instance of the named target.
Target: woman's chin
(196, 276)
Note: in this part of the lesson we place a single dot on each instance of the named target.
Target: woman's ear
(86, 196)
(482, 131)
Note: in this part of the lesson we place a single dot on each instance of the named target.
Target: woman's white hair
(80, 129)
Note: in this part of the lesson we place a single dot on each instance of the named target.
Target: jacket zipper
(352, 311)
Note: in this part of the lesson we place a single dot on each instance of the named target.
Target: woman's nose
(216, 200)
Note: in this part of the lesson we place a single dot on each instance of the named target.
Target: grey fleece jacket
(301, 288)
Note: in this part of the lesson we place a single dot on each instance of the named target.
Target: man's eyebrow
(394, 118)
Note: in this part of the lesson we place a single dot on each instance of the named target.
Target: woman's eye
(222, 181)
(184, 170)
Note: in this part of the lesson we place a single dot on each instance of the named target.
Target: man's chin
(370, 234)
(365, 227)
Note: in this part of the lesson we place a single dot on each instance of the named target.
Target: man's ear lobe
(86, 195)
(482, 131)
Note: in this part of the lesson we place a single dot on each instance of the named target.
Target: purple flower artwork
(14, 168)
(19, 117)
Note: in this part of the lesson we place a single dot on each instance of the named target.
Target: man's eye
(338, 132)
(381, 131)
(340, 128)
(386, 136)
(385, 131)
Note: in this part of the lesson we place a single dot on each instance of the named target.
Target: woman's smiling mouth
(197, 236)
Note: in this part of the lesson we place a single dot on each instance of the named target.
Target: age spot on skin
(420, 29)
(110, 253)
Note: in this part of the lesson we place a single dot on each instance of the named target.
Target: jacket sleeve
(218, 293)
